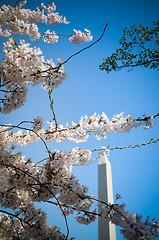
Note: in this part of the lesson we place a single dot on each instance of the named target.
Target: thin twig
(59, 34)
(129, 146)
(53, 112)
(9, 91)
(10, 127)
(74, 208)
(41, 161)
(18, 1)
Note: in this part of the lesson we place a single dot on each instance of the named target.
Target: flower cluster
(14, 97)
(100, 125)
(80, 37)
(24, 65)
(50, 37)
(21, 62)
(38, 122)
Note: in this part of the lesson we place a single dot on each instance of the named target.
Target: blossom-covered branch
(24, 21)
(98, 125)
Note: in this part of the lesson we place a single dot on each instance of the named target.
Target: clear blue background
(87, 90)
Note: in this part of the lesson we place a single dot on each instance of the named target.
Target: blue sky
(87, 90)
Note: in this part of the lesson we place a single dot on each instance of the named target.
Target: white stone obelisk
(106, 230)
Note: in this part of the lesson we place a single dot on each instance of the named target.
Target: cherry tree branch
(59, 34)
(78, 125)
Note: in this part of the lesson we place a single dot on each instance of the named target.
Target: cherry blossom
(80, 37)
(50, 37)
